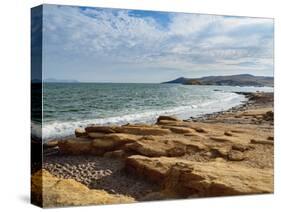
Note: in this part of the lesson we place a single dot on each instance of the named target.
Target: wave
(36, 129)
(223, 101)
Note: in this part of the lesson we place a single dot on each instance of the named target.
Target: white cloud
(189, 41)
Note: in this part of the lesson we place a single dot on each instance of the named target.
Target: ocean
(67, 106)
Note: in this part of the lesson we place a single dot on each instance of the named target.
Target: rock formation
(232, 156)
(188, 178)
(58, 192)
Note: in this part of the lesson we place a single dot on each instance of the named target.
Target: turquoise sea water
(70, 105)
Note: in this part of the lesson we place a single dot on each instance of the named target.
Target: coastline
(60, 129)
(242, 105)
(252, 102)
(184, 105)
(238, 140)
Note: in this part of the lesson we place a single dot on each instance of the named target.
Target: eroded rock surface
(188, 178)
(230, 153)
(58, 192)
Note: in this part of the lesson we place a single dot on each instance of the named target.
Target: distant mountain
(233, 80)
(53, 80)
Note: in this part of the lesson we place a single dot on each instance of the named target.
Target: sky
(117, 45)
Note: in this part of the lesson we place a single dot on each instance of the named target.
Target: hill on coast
(233, 80)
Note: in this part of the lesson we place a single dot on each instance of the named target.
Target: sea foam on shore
(59, 129)
(68, 107)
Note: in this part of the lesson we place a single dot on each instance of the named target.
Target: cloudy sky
(115, 45)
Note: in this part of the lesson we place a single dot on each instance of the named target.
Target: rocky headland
(225, 153)
(233, 80)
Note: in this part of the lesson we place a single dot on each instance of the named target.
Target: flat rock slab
(142, 130)
(75, 146)
(100, 129)
(266, 142)
(216, 178)
(159, 146)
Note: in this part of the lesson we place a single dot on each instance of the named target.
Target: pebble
(98, 173)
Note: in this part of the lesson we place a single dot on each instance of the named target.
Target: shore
(219, 154)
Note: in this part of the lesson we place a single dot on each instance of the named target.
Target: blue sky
(116, 45)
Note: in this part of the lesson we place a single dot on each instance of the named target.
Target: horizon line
(78, 81)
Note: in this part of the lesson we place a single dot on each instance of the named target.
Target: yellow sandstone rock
(75, 146)
(68, 192)
(139, 130)
(100, 129)
(217, 178)
(113, 141)
(179, 130)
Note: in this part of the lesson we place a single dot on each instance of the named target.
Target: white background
(15, 102)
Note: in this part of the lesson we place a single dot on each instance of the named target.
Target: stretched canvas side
(36, 105)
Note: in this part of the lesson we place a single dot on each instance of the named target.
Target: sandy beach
(224, 153)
